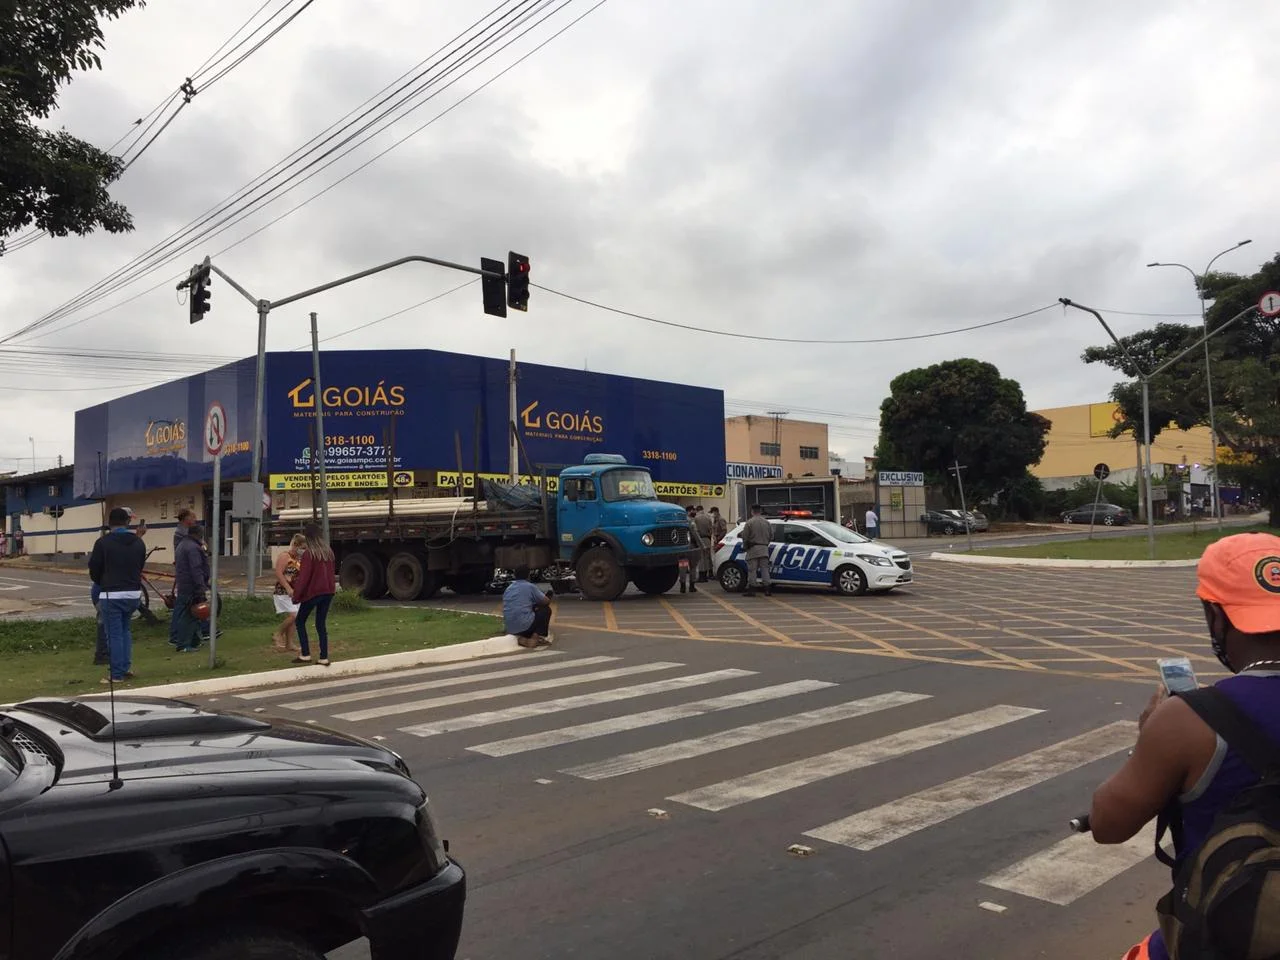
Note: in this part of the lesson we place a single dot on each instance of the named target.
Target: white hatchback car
(817, 553)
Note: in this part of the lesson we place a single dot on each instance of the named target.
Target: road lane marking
(891, 821)
(738, 736)
(376, 693)
(1066, 871)
(321, 685)
(392, 709)
(800, 773)
(610, 618)
(570, 703)
(750, 620)
(649, 718)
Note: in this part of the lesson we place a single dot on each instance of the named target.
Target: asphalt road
(28, 592)
(634, 791)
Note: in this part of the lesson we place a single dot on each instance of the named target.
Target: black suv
(217, 836)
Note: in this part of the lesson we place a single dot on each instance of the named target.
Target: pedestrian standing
(286, 570)
(719, 526)
(526, 610)
(190, 587)
(873, 524)
(756, 534)
(4, 543)
(115, 566)
(186, 520)
(313, 592)
(101, 650)
(690, 562)
(17, 543)
(704, 525)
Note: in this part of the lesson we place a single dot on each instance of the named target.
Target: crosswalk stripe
(572, 703)
(1066, 871)
(392, 709)
(892, 821)
(632, 721)
(789, 776)
(376, 693)
(738, 736)
(320, 685)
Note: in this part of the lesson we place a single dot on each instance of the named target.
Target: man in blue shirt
(526, 611)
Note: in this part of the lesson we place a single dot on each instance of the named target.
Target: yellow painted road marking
(747, 618)
(679, 618)
(858, 634)
(610, 618)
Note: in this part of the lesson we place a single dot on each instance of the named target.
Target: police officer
(703, 524)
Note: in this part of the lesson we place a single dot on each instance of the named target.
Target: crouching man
(526, 611)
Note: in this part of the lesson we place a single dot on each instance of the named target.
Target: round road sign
(1101, 471)
(215, 428)
(1270, 303)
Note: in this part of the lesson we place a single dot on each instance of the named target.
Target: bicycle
(144, 604)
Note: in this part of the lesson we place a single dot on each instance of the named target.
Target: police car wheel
(732, 578)
(851, 582)
(948, 530)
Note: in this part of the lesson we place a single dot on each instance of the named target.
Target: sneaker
(323, 661)
(301, 660)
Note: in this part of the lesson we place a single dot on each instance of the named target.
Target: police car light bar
(795, 513)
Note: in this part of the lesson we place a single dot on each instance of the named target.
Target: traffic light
(494, 288)
(198, 283)
(517, 281)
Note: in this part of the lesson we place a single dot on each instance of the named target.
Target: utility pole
(1145, 380)
(198, 280)
(957, 469)
(513, 450)
(318, 448)
(777, 433)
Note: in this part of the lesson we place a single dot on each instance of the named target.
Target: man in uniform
(756, 535)
(702, 523)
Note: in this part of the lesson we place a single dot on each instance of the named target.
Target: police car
(803, 550)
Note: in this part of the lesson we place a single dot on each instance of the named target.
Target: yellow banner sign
(371, 480)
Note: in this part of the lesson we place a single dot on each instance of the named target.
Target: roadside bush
(350, 601)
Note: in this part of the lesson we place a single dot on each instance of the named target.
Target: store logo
(1267, 573)
(562, 422)
(165, 436)
(303, 396)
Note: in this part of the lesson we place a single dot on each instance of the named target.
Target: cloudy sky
(838, 169)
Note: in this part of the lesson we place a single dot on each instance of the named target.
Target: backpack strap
(1231, 723)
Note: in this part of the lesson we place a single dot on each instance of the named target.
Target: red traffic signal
(517, 281)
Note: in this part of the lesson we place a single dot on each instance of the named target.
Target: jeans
(118, 614)
(321, 607)
(101, 651)
(541, 622)
(873, 532)
(184, 629)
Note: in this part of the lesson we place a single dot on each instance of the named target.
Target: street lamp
(1208, 377)
(1145, 379)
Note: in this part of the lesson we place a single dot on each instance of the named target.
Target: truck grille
(670, 536)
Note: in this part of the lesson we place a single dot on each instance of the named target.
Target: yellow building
(1078, 440)
(798, 446)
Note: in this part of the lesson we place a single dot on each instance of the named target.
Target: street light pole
(1208, 373)
(1144, 379)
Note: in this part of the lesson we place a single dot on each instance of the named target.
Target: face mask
(1219, 643)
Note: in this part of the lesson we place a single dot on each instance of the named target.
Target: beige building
(798, 446)
(1078, 441)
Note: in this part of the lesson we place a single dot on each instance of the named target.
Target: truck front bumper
(421, 923)
(650, 559)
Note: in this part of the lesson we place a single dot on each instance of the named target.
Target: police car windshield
(838, 533)
(628, 485)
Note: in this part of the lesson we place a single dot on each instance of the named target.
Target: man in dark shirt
(115, 566)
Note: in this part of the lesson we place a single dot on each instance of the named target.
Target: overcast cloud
(833, 169)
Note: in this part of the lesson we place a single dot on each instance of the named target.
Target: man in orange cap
(1180, 763)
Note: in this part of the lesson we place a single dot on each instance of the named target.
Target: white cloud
(835, 169)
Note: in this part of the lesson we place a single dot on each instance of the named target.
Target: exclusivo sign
(752, 471)
(900, 478)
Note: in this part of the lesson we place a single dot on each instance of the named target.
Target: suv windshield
(628, 485)
(838, 533)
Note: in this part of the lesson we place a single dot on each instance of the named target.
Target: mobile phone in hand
(1177, 675)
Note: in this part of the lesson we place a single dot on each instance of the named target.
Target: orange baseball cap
(1241, 573)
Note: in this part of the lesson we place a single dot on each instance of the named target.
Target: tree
(1245, 367)
(960, 410)
(51, 179)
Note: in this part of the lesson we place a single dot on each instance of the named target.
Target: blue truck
(604, 524)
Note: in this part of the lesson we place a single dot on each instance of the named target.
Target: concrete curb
(455, 653)
(995, 561)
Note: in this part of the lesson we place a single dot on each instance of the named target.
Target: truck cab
(613, 529)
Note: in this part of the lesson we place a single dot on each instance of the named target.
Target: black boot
(692, 588)
(682, 588)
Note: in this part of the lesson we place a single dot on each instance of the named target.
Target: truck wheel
(655, 580)
(406, 576)
(600, 576)
(248, 945)
(363, 574)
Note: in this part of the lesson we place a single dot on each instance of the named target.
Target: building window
(808, 453)
(770, 449)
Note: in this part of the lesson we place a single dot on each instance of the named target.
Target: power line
(753, 336)
(201, 228)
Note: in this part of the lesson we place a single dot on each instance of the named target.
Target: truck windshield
(628, 485)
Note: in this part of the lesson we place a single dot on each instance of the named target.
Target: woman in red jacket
(313, 591)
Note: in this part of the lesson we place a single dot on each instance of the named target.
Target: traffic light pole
(264, 308)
